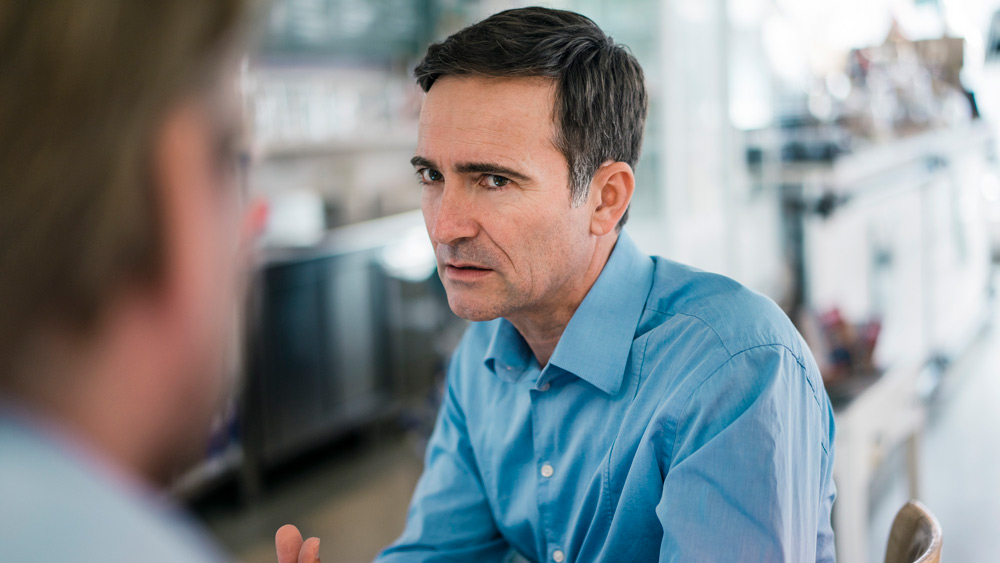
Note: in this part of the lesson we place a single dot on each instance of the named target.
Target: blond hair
(83, 89)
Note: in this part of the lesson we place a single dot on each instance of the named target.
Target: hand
(291, 548)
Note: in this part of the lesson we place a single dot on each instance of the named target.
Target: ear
(610, 194)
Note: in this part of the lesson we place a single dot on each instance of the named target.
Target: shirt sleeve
(449, 517)
(749, 476)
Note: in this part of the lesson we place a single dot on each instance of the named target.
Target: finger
(310, 551)
(288, 543)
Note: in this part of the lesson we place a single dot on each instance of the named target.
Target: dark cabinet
(316, 353)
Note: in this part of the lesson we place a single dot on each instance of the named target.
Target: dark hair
(85, 87)
(601, 99)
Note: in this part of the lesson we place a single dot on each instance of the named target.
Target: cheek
(429, 210)
(213, 322)
(212, 269)
(556, 248)
(538, 232)
(221, 289)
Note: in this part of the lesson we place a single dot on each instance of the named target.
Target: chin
(472, 311)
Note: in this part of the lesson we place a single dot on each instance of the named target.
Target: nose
(449, 215)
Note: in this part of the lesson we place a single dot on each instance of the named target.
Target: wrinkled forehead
(477, 117)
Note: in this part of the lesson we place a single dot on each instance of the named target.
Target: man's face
(496, 198)
(206, 227)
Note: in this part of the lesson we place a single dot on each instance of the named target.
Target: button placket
(546, 470)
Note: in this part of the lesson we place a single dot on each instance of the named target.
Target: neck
(77, 393)
(76, 428)
(542, 327)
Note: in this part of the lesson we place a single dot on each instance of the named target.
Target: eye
(493, 181)
(429, 176)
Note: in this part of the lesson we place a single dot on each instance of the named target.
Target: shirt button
(558, 556)
(545, 387)
(547, 472)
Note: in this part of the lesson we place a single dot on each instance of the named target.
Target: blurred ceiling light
(296, 217)
(410, 258)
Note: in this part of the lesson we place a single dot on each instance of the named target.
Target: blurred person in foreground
(604, 405)
(122, 254)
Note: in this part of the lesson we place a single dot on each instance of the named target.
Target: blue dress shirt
(60, 502)
(680, 418)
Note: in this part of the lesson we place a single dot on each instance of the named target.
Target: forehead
(488, 119)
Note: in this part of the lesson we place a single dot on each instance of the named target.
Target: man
(120, 237)
(603, 405)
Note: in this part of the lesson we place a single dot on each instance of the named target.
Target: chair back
(915, 536)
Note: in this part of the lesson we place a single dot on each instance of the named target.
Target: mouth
(465, 272)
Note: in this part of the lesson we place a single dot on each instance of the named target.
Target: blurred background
(837, 156)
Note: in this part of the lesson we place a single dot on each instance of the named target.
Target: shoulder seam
(699, 319)
(805, 370)
(791, 353)
(722, 341)
(770, 345)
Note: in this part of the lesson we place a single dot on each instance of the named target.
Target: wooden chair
(915, 536)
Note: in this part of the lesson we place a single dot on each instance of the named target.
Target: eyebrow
(475, 167)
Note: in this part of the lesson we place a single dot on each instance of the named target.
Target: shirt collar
(598, 339)
(508, 355)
